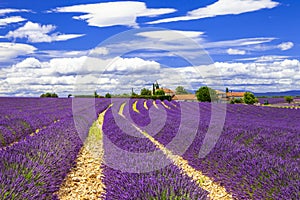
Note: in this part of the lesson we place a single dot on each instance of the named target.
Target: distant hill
(285, 93)
(269, 94)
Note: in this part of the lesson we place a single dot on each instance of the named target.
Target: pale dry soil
(84, 181)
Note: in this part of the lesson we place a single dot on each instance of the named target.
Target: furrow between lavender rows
(84, 181)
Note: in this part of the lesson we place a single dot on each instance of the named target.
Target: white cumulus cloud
(168, 35)
(265, 59)
(64, 75)
(95, 52)
(28, 63)
(113, 13)
(133, 65)
(285, 46)
(10, 51)
(35, 33)
(12, 10)
(235, 52)
(119, 75)
(222, 7)
(10, 20)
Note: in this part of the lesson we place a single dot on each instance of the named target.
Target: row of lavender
(135, 169)
(256, 156)
(34, 168)
(271, 100)
(20, 117)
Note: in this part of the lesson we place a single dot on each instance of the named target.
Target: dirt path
(84, 181)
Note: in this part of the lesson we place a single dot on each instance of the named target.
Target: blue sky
(112, 46)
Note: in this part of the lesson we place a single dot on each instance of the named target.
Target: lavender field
(271, 100)
(147, 150)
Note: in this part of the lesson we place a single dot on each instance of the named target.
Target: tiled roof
(185, 97)
(220, 92)
(166, 90)
(235, 94)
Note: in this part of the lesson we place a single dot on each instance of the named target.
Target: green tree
(159, 92)
(107, 95)
(124, 95)
(156, 85)
(289, 99)
(48, 94)
(181, 90)
(206, 94)
(54, 95)
(249, 98)
(133, 94)
(238, 100)
(145, 91)
(95, 94)
(227, 90)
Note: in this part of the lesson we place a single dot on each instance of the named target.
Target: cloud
(169, 35)
(285, 46)
(241, 46)
(264, 59)
(113, 13)
(35, 33)
(133, 65)
(9, 51)
(238, 42)
(28, 63)
(188, 44)
(64, 75)
(262, 76)
(265, 47)
(191, 45)
(9, 20)
(222, 7)
(49, 54)
(63, 37)
(98, 51)
(10, 10)
(86, 74)
(235, 52)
